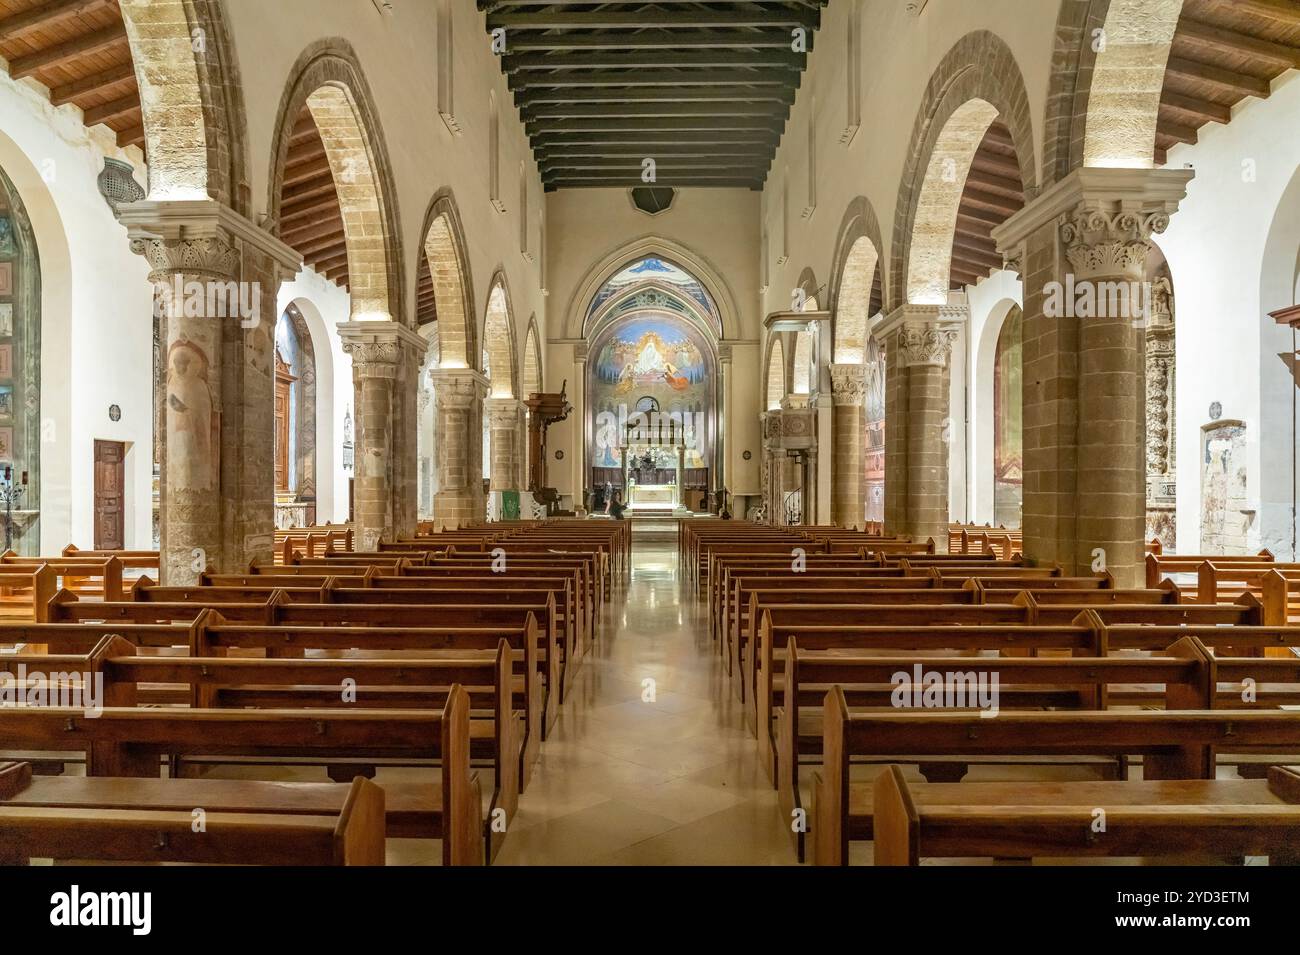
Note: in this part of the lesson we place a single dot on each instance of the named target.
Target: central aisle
(650, 773)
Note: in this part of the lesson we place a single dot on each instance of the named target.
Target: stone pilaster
(1081, 248)
(458, 394)
(504, 425)
(216, 277)
(848, 390)
(773, 466)
(384, 358)
(918, 344)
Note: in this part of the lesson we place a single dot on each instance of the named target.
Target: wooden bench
(125, 741)
(140, 820)
(1173, 745)
(1224, 818)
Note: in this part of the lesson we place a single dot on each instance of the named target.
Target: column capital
(848, 385)
(378, 349)
(1132, 201)
(199, 237)
(458, 388)
(923, 334)
(504, 410)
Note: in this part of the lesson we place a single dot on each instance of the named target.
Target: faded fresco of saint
(192, 426)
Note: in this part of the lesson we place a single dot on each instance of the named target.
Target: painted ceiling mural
(656, 270)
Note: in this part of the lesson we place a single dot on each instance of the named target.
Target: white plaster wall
(323, 306)
(399, 57)
(96, 315)
(990, 301)
(1216, 246)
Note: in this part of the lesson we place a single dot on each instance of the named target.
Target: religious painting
(6, 401)
(657, 361)
(654, 270)
(193, 427)
(6, 278)
(874, 448)
(7, 246)
(6, 444)
(6, 319)
(1225, 507)
(1008, 417)
(6, 361)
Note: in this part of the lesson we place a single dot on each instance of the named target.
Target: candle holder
(11, 494)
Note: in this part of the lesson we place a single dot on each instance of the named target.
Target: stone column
(919, 341)
(384, 356)
(458, 394)
(848, 435)
(1077, 247)
(503, 419)
(216, 276)
(773, 457)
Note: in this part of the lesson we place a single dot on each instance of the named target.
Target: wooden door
(110, 483)
(281, 435)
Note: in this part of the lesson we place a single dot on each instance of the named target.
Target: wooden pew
(1173, 745)
(125, 741)
(1224, 818)
(139, 820)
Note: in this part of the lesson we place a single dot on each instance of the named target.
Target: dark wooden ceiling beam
(583, 79)
(118, 75)
(669, 109)
(311, 188)
(656, 152)
(989, 202)
(673, 94)
(1283, 11)
(111, 110)
(654, 124)
(1203, 110)
(47, 15)
(1222, 40)
(321, 229)
(997, 165)
(131, 136)
(333, 262)
(999, 184)
(67, 51)
(311, 207)
(1176, 131)
(305, 172)
(688, 19)
(668, 165)
(665, 137)
(629, 183)
(1229, 81)
(772, 59)
(655, 40)
(325, 245)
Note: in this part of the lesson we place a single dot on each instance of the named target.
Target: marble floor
(650, 763)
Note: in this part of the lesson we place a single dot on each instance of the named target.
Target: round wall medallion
(114, 413)
(559, 455)
(1216, 411)
(747, 455)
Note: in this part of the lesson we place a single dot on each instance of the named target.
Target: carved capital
(924, 334)
(457, 389)
(503, 412)
(381, 349)
(1102, 241)
(849, 385)
(209, 256)
(925, 345)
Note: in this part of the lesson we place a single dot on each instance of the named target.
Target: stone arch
(328, 80)
(675, 252)
(533, 374)
(453, 286)
(977, 82)
(802, 373)
(983, 401)
(304, 467)
(190, 100)
(854, 275)
(499, 340)
(775, 388)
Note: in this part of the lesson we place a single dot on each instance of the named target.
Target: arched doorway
(295, 422)
(20, 374)
(652, 388)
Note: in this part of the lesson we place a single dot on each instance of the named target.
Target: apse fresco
(653, 269)
(652, 361)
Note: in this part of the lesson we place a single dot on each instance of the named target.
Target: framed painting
(6, 278)
(6, 361)
(6, 319)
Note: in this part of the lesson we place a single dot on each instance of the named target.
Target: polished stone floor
(650, 763)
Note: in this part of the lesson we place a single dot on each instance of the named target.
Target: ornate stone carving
(849, 385)
(1101, 242)
(925, 344)
(208, 256)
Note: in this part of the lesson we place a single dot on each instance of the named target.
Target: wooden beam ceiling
(1224, 52)
(79, 50)
(311, 220)
(704, 89)
(993, 193)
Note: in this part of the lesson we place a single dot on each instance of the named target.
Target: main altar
(654, 467)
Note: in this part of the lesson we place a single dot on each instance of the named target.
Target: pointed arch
(328, 81)
(453, 286)
(499, 340)
(533, 375)
(775, 388)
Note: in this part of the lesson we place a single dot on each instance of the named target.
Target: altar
(657, 496)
